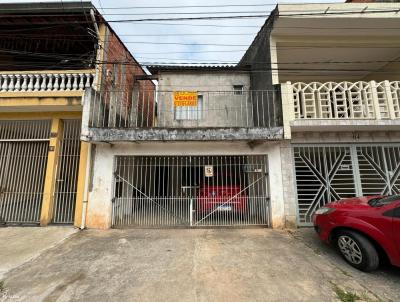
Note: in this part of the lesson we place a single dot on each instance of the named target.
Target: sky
(143, 38)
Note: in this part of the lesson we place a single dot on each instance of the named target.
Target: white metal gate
(67, 173)
(329, 173)
(23, 159)
(159, 191)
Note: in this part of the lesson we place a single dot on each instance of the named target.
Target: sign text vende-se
(185, 98)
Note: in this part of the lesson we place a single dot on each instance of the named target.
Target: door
(23, 160)
(323, 174)
(379, 168)
(329, 173)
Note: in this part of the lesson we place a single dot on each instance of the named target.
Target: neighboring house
(338, 66)
(49, 55)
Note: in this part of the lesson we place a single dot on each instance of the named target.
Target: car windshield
(381, 201)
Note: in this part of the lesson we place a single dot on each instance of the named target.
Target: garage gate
(24, 147)
(190, 191)
(329, 173)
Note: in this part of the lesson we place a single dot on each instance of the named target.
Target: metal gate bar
(190, 191)
(23, 160)
(329, 173)
(379, 169)
(23, 167)
(67, 173)
(323, 174)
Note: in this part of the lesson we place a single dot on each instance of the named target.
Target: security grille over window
(190, 112)
(190, 191)
(67, 173)
(329, 173)
(23, 159)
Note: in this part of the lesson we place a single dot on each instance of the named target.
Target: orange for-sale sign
(185, 98)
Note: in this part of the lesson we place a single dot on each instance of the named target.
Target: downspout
(86, 188)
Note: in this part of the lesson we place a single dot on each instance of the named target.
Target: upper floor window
(190, 112)
(238, 89)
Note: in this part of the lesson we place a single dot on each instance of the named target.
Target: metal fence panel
(329, 173)
(23, 160)
(67, 173)
(191, 191)
(23, 168)
(379, 169)
(323, 174)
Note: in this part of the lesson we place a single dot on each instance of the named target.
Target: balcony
(149, 115)
(45, 81)
(341, 106)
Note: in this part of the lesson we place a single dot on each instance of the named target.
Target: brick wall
(119, 84)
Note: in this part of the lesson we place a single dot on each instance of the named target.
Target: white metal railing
(346, 100)
(45, 81)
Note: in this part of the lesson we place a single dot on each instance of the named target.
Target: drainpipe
(86, 188)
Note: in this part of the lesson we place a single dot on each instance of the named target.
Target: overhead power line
(300, 13)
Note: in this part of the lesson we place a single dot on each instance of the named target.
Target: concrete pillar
(82, 177)
(375, 100)
(287, 108)
(51, 172)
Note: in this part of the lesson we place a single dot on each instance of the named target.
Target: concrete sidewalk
(21, 244)
(195, 265)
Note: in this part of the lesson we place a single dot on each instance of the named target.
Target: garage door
(328, 173)
(190, 191)
(23, 159)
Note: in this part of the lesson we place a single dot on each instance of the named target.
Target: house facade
(47, 62)
(310, 114)
(338, 69)
(212, 162)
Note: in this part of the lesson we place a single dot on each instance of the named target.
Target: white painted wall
(99, 207)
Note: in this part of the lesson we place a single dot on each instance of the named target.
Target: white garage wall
(99, 207)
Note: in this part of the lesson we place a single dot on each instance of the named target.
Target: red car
(227, 198)
(364, 229)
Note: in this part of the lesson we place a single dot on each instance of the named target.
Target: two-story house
(49, 54)
(338, 66)
(203, 150)
(309, 115)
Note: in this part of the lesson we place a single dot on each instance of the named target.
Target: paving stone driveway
(194, 265)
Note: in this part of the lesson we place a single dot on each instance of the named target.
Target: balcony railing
(346, 100)
(27, 81)
(214, 109)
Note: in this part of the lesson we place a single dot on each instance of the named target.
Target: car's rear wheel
(357, 250)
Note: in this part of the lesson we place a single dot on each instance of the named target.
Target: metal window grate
(24, 130)
(190, 191)
(67, 173)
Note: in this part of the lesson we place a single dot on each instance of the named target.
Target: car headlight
(324, 211)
